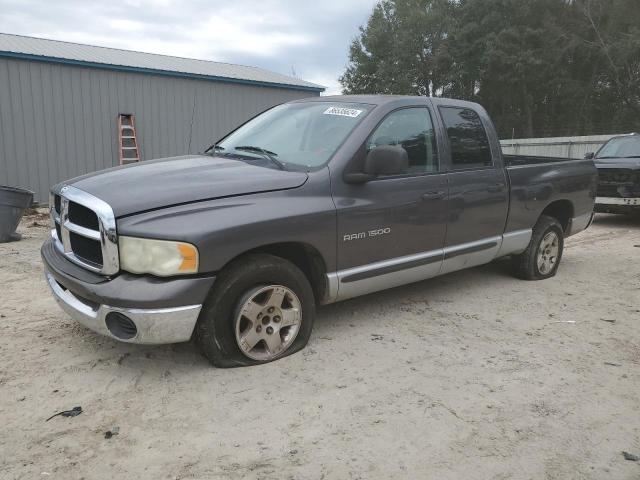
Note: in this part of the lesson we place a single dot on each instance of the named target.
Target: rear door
(391, 230)
(478, 188)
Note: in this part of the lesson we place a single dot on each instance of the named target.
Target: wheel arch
(561, 210)
(304, 256)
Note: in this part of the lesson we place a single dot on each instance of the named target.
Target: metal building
(60, 102)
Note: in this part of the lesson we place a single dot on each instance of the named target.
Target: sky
(309, 40)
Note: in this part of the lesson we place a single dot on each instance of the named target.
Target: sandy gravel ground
(475, 375)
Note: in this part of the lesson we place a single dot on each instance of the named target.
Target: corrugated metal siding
(59, 121)
(569, 147)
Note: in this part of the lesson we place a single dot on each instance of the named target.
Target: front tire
(261, 308)
(542, 257)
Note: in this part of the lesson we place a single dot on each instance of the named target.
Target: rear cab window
(467, 137)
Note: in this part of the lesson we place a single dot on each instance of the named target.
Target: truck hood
(154, 184)
(629, 163)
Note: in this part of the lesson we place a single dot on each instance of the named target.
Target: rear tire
(542, 257)
(238, 308)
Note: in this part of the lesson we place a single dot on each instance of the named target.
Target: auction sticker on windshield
(344, 112)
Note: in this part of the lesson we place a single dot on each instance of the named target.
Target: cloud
(309, 38)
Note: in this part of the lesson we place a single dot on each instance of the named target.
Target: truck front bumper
(617, 204)
(136, 325)
(129, 308)
(618, 201)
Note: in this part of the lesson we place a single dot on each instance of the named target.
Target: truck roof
(385, 99)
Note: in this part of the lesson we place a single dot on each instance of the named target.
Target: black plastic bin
(13, 202)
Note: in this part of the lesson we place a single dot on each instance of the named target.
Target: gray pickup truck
(311, 202)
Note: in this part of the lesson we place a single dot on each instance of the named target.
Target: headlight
(157, 257)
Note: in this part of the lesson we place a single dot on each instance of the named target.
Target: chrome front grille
(84, 230)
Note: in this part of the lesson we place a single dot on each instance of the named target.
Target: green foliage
(541, 67)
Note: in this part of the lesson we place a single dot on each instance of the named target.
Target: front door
(391, 230)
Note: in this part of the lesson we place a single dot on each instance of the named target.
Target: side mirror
(589, 156)
(386, 160)
(382, 160)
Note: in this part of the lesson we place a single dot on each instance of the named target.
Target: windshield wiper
(212, 149)
(632, 156)
(265, 154)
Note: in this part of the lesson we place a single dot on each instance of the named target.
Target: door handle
(495, 188)
(433, 195)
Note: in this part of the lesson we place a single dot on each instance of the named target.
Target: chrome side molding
(515, 242)
(470, 254)
(373, 277)
(394, 272)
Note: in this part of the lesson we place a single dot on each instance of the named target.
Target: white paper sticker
(343, 112)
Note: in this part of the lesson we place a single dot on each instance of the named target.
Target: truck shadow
(451, 286)
(331, 319)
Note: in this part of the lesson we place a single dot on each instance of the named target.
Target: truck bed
(536, 182)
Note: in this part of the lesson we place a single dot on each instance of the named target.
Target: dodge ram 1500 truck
(618, 164)
(311, 202)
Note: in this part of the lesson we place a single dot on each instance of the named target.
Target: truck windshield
(303, 135)
(621, 147)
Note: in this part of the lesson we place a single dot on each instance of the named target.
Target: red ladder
(127, 139)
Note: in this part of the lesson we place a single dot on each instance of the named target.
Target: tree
(541, 67)
(397, 50)
(609, 35)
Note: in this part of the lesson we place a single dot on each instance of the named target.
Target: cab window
(467, 137)
(412, 129)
